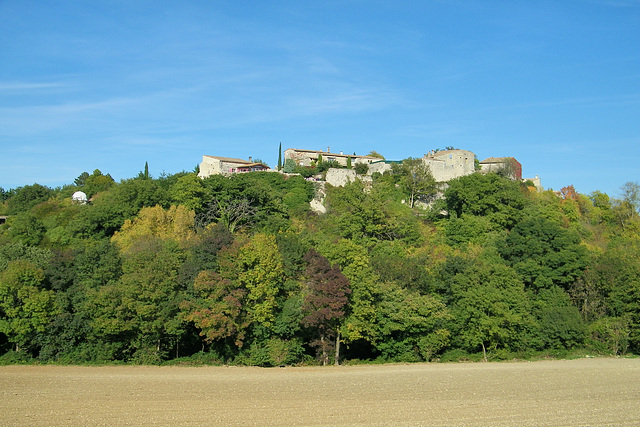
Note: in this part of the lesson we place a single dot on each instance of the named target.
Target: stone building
(381, 166)
(307, 157)
(510, 166)
(215, 165)
(537, 183)
(446, 165)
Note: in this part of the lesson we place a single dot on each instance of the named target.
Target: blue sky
(111, 85)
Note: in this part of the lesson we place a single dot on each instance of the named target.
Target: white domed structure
(79, 197)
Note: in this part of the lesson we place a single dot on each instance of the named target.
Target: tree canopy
(240, 270)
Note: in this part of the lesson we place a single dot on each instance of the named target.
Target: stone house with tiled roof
(307, 157)
(509, 165)
(216, 165)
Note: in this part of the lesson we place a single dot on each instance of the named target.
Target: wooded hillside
(239, 270)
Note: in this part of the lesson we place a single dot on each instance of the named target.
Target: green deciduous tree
(490, 309)
(26, 308)
(24, 198)
(416, 181)
(362, 168)
(499, 199)
(141, 309)
(243, 293)
(261, 193)
(409, 326)
(631, 194)
(469, 228)
(189, 191)
(617, 273)
(26, 228)
(96, 264)
(601, 211)
(358, 213)
(560, 323)
(544, 253)
(94, 183)
(609, 335)
(626, 211)
(233, 214)
(260, 271)
(111, 208)
(19, 251)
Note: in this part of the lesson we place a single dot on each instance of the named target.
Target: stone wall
(380, 167)
(340, 177)
(305, 157)
(209, 166)
(510, 166)
(450, 164)
(215, 165)
(537, 183)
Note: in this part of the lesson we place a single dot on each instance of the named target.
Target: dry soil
(596, 391)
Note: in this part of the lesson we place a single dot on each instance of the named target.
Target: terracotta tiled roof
(443, 153)
(325, 153)
(249, 165)
(231, 160)
(496, 159)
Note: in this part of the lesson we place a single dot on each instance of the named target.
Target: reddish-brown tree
(325, 302)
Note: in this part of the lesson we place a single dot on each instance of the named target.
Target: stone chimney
(328, 149)
(250, 159)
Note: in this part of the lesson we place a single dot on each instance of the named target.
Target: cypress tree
(280, 157)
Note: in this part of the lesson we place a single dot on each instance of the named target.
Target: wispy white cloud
(128, 82)
(431, 131)
(29, 86)
(30, 120)
(354, 100)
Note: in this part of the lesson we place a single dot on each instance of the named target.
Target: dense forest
(239, 270)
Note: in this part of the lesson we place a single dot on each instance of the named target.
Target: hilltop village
(238, 269)
(444, 165)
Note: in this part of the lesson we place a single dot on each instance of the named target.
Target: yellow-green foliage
(176, 224)
(261, 273)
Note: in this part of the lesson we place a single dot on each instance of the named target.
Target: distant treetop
(374, 153)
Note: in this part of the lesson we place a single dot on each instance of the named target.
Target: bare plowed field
(574, 392)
